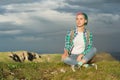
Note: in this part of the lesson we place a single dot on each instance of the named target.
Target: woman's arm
(67, 45)
(65, 54)
(89, 46)
(67, 41)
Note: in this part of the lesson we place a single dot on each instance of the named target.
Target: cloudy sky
(41, 25)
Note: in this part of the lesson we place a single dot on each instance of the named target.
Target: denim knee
(90, 54)
(70, 61)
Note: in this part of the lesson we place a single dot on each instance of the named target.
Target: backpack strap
(87, 36)
(71, 35)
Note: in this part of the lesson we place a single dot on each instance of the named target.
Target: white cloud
(10, 32)
(13, 18)
(44, 9)
(42, 18)
(42, 5)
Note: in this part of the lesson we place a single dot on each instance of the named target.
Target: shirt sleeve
(89, 46)
(67, 41)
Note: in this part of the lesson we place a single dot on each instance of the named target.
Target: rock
(24, 56)
(62, 70)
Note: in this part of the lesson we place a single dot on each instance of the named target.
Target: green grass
(51, 70)
(4, 57)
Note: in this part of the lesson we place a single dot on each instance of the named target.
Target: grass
(51, 70)
(4, 57)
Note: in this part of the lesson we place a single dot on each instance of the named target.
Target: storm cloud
(41, 25)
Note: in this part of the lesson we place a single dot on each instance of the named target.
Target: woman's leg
(88, 56)
(71, 60)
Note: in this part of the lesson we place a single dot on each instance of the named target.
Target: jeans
(72, 59)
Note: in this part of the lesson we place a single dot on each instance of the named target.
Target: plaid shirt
(88, 41)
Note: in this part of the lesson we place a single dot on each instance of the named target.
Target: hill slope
(50, 67)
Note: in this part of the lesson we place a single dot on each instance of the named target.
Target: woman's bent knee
(90, 55)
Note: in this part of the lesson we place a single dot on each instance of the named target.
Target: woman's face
(80, 20)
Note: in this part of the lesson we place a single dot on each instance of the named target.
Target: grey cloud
(32, 40)
(96, 6)
(46, 33)
(91, 2)
(9, 2)
(6, 2)
(48, 30)
(14, 11)
(95, 1)
(103, 23)
(106, 18)
(42, 42)
(9, 26)
(2, 10)
(112, 1)
(9, 31)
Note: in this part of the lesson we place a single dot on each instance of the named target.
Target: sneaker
(78, 67)
(74, 67)
(86, 65)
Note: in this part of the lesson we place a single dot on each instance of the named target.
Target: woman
(78, 43)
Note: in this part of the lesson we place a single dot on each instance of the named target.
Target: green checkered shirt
(88, 39)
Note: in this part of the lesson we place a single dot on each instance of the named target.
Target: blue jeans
(72, 59)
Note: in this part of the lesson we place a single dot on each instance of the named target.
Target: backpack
(72, 35)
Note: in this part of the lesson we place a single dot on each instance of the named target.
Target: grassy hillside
(50, 67)
(4, 57)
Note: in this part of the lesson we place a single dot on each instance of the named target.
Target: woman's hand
(79, 58)
(65, 54)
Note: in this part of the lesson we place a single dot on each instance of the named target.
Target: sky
(41, 25)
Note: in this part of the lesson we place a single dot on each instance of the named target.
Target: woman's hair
(85, 16)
